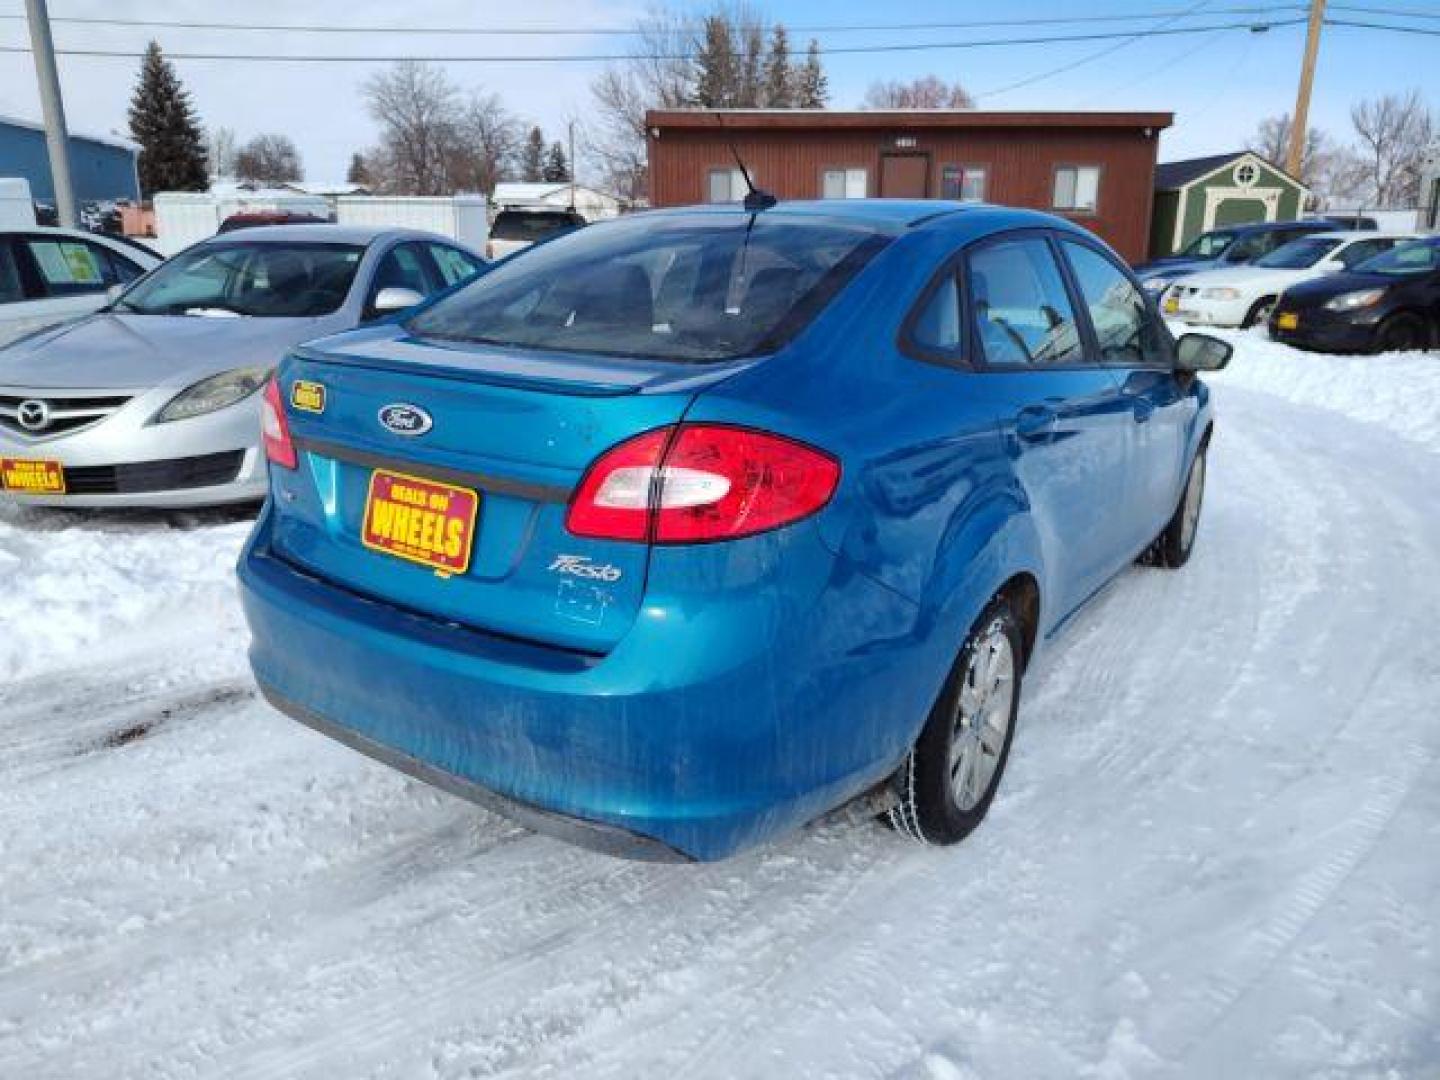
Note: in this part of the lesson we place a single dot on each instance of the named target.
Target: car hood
(1247, 277)
(1318, 290)
(1172, 266)
(117, 350)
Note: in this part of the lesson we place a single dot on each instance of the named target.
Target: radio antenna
(756, 199)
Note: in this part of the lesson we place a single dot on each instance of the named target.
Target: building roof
(119, 142)
(1172, 175)
(511, 191)
(831, 119)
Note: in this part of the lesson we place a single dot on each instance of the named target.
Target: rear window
(530, 227)
(691, 288)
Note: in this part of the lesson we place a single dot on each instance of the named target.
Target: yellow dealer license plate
(32, 477)
(1288, 320)
(420, 521)
(1172, 305)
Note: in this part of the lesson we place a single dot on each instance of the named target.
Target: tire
(1172, 547)
(1259, 312)
(1403, 331)
(950, 777)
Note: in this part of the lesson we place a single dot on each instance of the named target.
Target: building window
(1077, 187)
(726, 185)
(844, 184)
(963, 182)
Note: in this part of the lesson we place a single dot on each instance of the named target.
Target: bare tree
(658, 78)
(418, 110)
(926, 92)
(1393, 132)
(221, 151)
(269, 160)
(1272, 142)
(488, 139)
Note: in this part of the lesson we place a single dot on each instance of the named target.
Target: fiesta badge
(403, 419)
(307, 396)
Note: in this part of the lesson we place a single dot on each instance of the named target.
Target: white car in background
(49, 276)
(1244, 295)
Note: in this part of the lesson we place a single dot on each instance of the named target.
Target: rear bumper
(703, 732)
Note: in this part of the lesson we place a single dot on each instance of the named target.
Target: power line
(533, 31)
(1193, 9)
(1355, 23)
(573, 58)
(1403, 13)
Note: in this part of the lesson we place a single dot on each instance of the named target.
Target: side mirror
(388, 301)
(1201, 352)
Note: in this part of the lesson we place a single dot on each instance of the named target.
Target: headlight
(1351, 300)
(1155, 284)
(213, 393)
(1220, 294)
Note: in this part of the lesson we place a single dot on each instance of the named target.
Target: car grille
(146, 476)
(64, 414)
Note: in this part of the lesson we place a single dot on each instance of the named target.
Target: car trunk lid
(516, 429)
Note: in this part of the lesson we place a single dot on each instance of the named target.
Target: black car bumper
(1319, 330)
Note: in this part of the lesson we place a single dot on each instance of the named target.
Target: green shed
(1194, 196)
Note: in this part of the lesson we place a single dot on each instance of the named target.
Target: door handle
(1035, 423)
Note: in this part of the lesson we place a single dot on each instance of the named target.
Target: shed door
(1240, 212)
(905, 176)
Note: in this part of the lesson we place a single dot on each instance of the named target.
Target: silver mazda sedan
(152, 401)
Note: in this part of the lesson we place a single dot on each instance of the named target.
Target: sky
(1219, 84)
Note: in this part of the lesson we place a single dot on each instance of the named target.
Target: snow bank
(98, 584)
(1397, 391)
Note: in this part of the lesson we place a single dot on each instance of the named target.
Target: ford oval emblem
(405, 419)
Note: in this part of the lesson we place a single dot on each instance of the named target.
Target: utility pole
(1300, 119)
(57, 139)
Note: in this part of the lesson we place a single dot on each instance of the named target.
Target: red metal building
(1096, 168)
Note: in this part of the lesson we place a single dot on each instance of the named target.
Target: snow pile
(96, 582)
(1398, 391)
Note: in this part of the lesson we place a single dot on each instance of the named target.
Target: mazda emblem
(33, 415)
(408, 420)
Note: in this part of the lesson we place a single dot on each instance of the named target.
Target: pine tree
(359, 172)
(779, 80)
(750, 90)
(557, 165)
(532, 157)
(812, 88)
(163, 122)
(717, 68)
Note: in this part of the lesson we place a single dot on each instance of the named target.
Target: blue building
(101, 169)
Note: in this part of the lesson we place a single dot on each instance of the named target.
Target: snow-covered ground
(1216, 854)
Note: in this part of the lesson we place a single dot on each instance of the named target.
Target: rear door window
(1125, 331)
(452, 263)
(1020, 307)
(528, 227)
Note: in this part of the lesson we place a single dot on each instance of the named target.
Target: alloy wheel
(982, 718)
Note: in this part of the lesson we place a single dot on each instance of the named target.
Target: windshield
(1210, 245)
(513, 225)
(1417, 258)
(685, 288)
(258, 279)
(1298, 254)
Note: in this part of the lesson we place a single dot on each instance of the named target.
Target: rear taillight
(274, 428)
(700, 482)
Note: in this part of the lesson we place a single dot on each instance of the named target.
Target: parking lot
(1210, 856)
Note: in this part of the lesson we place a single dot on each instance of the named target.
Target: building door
(904, 176)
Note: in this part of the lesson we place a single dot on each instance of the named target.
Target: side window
(122, 270)
(1021, 310)
(403, 267)
(938, 325)
(69, 267)
(454, 265)
(1124, 328)
(12, 290)
(1358, 252)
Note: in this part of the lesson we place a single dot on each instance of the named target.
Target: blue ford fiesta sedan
(684, 529)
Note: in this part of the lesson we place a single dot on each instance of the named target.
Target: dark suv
(1236, 245)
